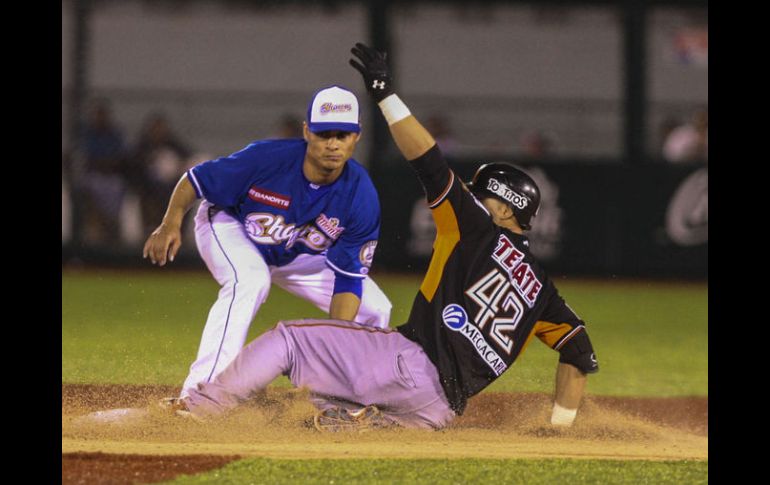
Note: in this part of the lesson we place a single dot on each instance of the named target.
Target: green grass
(144, 328)
(461, 471)
(651, 339)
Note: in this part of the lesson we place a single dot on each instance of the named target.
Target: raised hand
(374, 69)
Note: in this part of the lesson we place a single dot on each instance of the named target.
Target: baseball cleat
(178, 407)
(336, 419)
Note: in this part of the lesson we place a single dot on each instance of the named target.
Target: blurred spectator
(688, 142)
(290, 126)
(669, 124)
(66, 203)
(101, 185)
(158, 160)
(439, 127)
(535, 145)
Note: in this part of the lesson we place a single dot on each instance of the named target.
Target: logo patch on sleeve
(366, 255)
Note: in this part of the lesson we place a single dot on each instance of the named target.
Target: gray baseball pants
(340, 363)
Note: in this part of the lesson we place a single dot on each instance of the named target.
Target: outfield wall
(595, 219)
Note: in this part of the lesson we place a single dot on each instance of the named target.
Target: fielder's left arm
(344, 306)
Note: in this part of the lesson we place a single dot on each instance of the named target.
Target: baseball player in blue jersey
(300, 213)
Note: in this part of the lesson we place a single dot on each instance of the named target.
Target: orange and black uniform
(484, 296)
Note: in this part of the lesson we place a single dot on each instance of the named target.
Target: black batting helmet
(507, 183)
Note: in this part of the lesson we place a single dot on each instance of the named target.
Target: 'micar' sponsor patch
(456, 318)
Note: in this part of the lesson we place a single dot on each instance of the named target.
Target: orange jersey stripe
(550, 333)
(446, 240)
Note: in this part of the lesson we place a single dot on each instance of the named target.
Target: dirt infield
(148, 446)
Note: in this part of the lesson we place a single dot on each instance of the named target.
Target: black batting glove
(374, 68)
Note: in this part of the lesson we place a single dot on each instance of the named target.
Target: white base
(114, 416)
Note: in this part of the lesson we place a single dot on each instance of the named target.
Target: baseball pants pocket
(383, 384)
(402, 370)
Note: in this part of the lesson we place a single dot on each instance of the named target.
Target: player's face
(327, 151)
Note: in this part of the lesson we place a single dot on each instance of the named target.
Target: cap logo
(335, 108)
(506, 193)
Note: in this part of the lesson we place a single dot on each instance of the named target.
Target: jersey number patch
(494, 294)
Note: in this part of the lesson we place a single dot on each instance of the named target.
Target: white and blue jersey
(286, 215)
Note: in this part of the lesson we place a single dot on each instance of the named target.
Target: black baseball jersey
(484, 296)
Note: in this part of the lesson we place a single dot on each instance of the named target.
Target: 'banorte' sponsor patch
(267, 197)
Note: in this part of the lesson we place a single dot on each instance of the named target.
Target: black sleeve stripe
(443, 195)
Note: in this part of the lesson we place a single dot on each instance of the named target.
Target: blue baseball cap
(333, 108)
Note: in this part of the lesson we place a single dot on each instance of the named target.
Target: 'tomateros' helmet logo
(506, 193)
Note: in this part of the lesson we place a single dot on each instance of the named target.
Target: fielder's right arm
(164, 242)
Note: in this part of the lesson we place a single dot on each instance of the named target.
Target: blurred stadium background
(595, 99)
